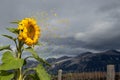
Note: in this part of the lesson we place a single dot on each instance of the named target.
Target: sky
(69, 27)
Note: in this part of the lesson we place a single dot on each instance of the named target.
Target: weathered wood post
(60, 74)
(110, 72)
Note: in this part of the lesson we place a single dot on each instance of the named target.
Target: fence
(108, 73)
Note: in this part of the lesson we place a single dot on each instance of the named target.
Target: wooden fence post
(60, 74)
(110, 72)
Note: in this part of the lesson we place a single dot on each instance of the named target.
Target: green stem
(28, 57)
(24, 73)
(20, 74)
(20, 69)
(19, 54)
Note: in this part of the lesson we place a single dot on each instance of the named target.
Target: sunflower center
(31, 32)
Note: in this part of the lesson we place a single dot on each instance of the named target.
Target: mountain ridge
(87, 61)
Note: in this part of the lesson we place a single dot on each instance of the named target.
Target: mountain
(86, 62)
(30, 64)
(52, 60)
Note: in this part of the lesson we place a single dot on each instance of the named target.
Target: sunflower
(29, 31)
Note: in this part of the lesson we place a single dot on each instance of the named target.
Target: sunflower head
(29, 31)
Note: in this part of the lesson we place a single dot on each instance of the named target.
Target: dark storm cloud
(67, 41)
(110, 6)
(63, 46)
(93, 24)
(104, 33)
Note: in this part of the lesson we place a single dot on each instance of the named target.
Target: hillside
(86, 62)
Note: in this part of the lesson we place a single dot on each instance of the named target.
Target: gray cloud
(104, 33)
(90, 25)
(63, 46)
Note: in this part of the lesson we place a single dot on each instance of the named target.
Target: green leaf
(4, 75)
(32, 77)
(36, 56)
(7, 77)
(41, 72)
(10, 37)
(13, 30)
(10, 62)
(5, 47)
(39, 44)
(15, 22)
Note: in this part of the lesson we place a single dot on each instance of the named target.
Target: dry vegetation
(86, 76)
